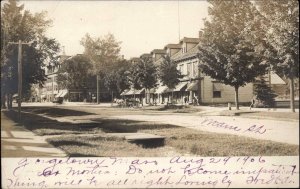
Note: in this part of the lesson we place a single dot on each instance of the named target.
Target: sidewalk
(16, 141)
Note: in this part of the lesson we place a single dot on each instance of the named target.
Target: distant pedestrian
(185, 100)
(252, 102)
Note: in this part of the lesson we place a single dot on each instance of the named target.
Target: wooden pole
(19, 78)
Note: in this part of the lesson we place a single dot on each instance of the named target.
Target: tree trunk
(3, 99)
(146, 96)
(236, 97)
(292, 95)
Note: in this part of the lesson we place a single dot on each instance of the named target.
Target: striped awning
(161, 89)
(134, 91)
(192, 86)
(63, 94)
(124, 92)
(180, 86)
(58, 94)
(152, 91)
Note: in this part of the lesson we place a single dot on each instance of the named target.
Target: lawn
(93, 139)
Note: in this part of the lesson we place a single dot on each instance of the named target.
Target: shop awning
(161, 89)
(15, 95)
(64, 93)
(152, 91)
(43, 96)
(217, 86)
(180, 86)
(58, 94)
(124, 92)
(192, 86)
(134, 91)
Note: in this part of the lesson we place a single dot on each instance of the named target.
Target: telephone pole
(98, 88)
(20, 75)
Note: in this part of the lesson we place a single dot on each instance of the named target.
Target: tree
(75, 73)
(103, 52)
(146, 74)
(264, 94)
(227, 51)
(168, 73)
(281, 28)
(123, 75)
(17, 24)
(133, 78)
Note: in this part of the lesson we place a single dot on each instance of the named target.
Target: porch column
(191, 97)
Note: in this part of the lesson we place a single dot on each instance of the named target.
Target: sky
(141, 26)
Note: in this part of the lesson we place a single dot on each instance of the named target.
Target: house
(50, 89)
(195, 86)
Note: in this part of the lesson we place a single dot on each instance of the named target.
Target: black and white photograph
(149, 94)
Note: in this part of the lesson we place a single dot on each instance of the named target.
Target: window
(189, 69)
(217, 94)
(217, 88)
(181, 69)
(195, 69)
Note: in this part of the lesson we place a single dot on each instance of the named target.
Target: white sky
(141, 25)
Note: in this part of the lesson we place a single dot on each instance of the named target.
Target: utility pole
(20, 75)
(98, 101)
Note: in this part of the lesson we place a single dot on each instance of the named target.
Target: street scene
(150, 79)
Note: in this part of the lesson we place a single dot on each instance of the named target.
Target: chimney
(200, 34)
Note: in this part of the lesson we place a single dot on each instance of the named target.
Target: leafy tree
(103, 52)
(281, 28)
(146, 74)
(74, 73)
(123, 75)
(116, 79)
(227, 51)
(168, 73)
(264, 93)
(133, 78)
(19, 24)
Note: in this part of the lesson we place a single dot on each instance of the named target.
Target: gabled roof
(158, 51)
(189, 54)
(190, 40)
(276, 80)
(173, 46)
(146, 55)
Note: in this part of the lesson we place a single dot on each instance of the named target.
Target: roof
(190, 40)
(276, 80)
(158, 51)
(189, 54)
(134, 59)
(173, 46)
(176, 55)
(146, 55)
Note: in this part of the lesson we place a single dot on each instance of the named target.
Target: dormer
(172, 49)
(157, 54)
(188, 43)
